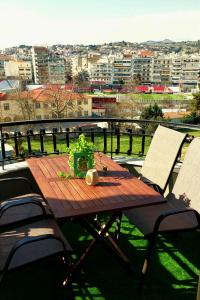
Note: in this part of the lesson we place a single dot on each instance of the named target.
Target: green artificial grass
(172, 275)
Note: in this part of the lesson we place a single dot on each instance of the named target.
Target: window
(70, 114)
(45, 105)
(38, 117)
(79, 102)
(85, 113)
(6, 106)
(37, 105)
(85, 101)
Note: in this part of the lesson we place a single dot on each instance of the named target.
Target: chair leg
(149, 252)
(118, 226)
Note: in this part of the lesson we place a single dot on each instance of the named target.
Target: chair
(160, 161)
(181, 210)
(30, 242)
(17, 194)
(161, 157)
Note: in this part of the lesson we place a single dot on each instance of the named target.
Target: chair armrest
(27, 240)
(19, 202)
(12, 179)
(174, 212)
(155, 186)
(16, 186)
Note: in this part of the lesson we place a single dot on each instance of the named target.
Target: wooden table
(117, 190)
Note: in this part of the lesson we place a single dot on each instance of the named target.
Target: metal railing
(66, 130)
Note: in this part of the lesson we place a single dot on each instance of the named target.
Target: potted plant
(81, 156)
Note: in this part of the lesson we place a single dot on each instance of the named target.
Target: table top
(116, 190)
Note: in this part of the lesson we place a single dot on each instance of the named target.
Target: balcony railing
(120, 136)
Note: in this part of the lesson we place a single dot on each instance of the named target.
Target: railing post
(29, 133)
(16, 143)
(143, 141)
(104, 140)
(55, 130)
(67, 137)
(130, 132)
(79, 131)
(42, 133)
(117, 132)
(92, 135)
(111, 142)
(2, 148)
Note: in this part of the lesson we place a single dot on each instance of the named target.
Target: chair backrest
(187, 185)
(162, 155)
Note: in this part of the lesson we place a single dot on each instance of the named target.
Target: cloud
(20, 25)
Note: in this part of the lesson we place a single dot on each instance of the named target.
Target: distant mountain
(165, 41)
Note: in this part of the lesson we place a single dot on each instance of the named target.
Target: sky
(48, 22)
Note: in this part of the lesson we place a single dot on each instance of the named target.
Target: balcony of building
(175, 266)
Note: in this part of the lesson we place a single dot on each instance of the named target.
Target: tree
(152, 112)
(26, 104)
(62, 101)
(126, 109)
(82, 79)
(195, 103)
(135, 81)
(192, 118)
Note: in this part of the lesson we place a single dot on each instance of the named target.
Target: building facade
(19, 69)
(40, 58)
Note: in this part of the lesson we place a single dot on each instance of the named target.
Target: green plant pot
(83, 161)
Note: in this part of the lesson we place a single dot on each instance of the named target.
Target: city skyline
(94, 22)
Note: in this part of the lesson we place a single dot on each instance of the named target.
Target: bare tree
(26, 103)
(126, 109)
(62, 102)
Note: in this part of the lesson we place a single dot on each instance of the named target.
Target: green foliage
(64, 175)
(195, 103)
(193, 118)
(82, 145)
(152, 112)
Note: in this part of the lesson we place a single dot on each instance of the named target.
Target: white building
(185, 72)
(18, 69)
(101, 71)
(161, 70)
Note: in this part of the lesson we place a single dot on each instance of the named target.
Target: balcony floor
(173, 273)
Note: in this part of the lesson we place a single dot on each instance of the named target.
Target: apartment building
(161, 70)
(78, 64)
(40, 58)
(101, 71)
(56, 70)
(2, 70)
(122, 71)
(185, 72)
(142, 68)
(18, 69)
(68, 69)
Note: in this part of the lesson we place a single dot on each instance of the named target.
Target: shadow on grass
(173, 271)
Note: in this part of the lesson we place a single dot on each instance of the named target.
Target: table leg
(99, 233)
